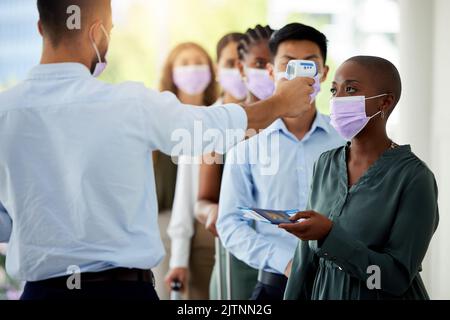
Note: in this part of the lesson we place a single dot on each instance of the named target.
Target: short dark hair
(252, 37)
(226, 40)
(384, 74)
(299, 31)
(53, 16)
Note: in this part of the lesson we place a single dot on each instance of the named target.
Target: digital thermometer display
(301, 68)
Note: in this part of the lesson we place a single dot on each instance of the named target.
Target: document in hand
(268, 216)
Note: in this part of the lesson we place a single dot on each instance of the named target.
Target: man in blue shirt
(280, 177)
(77, 189)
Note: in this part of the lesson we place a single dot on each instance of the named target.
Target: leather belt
(272, 279)
(117, 274)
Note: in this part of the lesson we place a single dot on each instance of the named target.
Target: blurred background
(411, 33)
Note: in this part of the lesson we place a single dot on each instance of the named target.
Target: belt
(272, 279)
(116, 274)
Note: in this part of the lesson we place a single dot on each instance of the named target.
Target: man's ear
(40, 28)
(325, 72)
(271, 68)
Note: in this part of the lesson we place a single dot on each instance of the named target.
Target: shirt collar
(320, 122)
(276, 126)
(59, 71)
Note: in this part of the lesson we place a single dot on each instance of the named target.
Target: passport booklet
(269, 216)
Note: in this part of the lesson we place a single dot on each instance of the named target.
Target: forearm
(262, 114)
(181, 226)
(180, 252)
(251, 247)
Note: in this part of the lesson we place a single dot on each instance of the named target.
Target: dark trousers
(115, 290)
(264, 292)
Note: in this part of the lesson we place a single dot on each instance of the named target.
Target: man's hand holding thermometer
(298, 70)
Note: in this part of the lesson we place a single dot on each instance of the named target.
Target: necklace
(394, 145)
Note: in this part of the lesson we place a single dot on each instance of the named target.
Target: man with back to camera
(75, 163)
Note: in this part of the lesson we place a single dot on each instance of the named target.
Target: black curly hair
(252, 37)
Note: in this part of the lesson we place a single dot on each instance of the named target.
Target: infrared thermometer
(301, 68)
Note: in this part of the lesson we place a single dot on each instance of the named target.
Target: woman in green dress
(373, 204)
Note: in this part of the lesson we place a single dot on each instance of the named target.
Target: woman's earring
(383, 115)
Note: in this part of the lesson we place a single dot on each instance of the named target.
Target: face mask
(316, 85)
(259, 83)
(231, 81)
(348, 115)
(192, 80)
(100, 66)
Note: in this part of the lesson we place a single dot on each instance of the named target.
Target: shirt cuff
(180, 251)
(338, 246)
(280, 259)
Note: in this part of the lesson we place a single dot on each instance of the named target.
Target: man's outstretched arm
(178, 129)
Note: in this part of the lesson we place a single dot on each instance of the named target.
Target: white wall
(424, 114)
(440, 148)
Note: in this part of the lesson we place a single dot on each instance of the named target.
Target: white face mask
(101, 65)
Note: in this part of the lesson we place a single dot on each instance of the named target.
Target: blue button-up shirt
(272, 170)
(76, 173)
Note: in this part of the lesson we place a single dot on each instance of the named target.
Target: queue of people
(255, 259)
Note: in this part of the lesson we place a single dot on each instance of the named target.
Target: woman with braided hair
(254, 54)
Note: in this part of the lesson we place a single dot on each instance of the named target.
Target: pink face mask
(192, 80)
(231, 81)
(348, 115)
(259, 83)
(317, 87)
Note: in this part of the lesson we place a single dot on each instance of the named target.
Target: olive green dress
(386, 220)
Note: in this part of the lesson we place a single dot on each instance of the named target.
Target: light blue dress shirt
(272, 170)
(76, 172)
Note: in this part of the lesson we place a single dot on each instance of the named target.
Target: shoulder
(10, 96)
(413, 169)
(330, 156)
(127, 90)
(133, 91)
